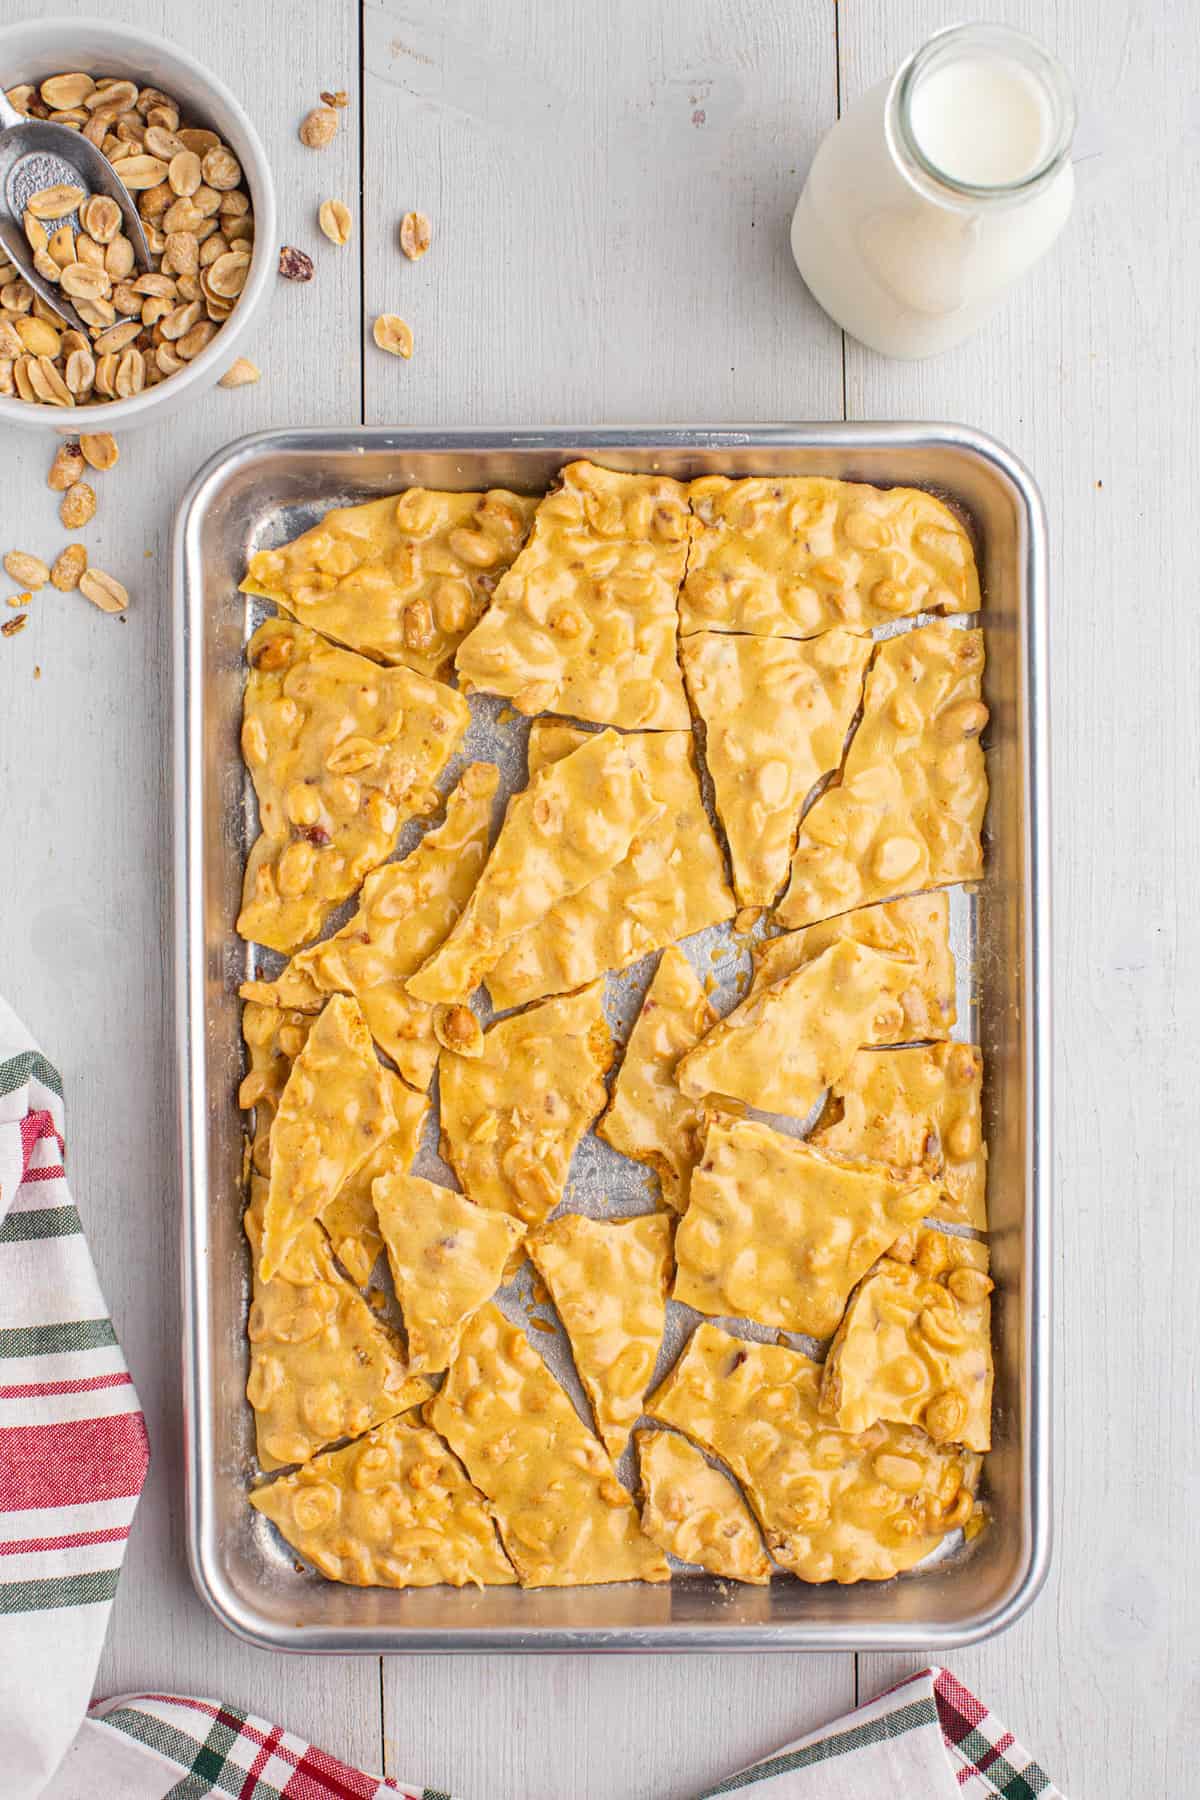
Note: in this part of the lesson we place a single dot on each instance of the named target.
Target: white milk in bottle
(937, 190)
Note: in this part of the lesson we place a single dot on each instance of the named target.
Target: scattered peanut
(29, 570)
(104, 591)
(99, 449)
(392, 334)
(68, 567)
(335, 221)
(317, 129)
(242, 373)
(339, 98)
(78, 506)
(66, 468)
(11, 626)
(416, 235)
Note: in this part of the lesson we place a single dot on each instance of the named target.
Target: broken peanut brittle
(776, 713)
(341, 753)
(694, 1512)
(648, 1118)
(779, 1232)
(393, 1509)
(512, 1118)
(322, 1366)
(791, 556)
(914, 1345)
(274, 1039)
(447, 1256)
(405, 910)
(574, 821)
(333, 1112)
(350, 1217)
(782, 1046)
(670, 883)
(913, 932)
(833, 1506)
(563, 1516)
(401, 579)
(919, 1107)
(608, 1280)
(907, 811)
(584, 622)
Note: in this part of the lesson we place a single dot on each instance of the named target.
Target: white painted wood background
(610, 188)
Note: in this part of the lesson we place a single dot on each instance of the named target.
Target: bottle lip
(921, 171)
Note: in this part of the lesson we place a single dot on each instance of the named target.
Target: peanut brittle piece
(341, 753)
(833, 1506)
(790, 556)
(914, 932)
(648, 1118)
(915, 1344)
(908, 809)
(783, 1045)
(916, 1108)
(584, 621)
(274, 1039)
(670, 883)
(512, 1118)
(574, 821)
(779, 1232)
(402, 579)
(608, 1280)
(405, 910)
(564, 1517)
(334, 1111)
(447, 1256)
(350, 1217)
(776, 714)
(393, 1509)
(322, 1366)
(694, 1512)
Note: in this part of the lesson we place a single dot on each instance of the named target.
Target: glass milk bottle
(937, 190)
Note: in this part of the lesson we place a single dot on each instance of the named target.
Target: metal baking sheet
(263, 491)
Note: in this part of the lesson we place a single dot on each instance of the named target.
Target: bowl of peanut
(195, 168)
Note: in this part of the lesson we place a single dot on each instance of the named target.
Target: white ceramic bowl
(41, 47)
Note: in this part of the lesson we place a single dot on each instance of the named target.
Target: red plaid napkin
(928, 1739)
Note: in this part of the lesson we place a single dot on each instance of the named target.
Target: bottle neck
(980, 118)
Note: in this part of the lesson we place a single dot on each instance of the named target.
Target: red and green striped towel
(73, 1451)
(73, 1457)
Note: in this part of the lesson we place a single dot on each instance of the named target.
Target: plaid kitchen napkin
(73, 1452)
(928, 1739)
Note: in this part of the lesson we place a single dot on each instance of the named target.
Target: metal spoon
(36, 154)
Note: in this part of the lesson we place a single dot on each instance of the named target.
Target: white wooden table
(610, 188)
